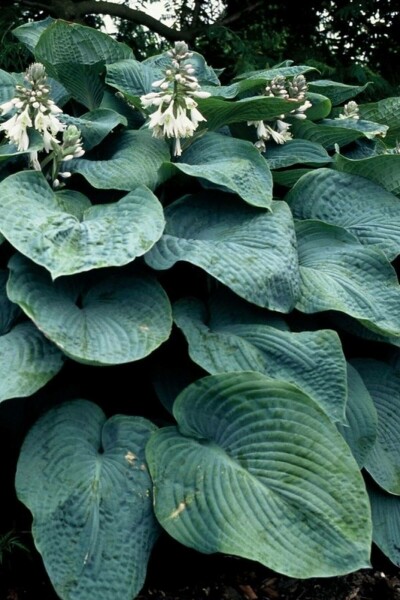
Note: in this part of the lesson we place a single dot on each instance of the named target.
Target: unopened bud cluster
(350, 111)
(177, 115)
(281, 87)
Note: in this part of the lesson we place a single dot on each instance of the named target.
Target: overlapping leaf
(39, 223)
(385, 111)
(131, 158)
(337, 92)
(338, 273)
(102, 321)
(313, 361)
(330, 132)
(87, 485)
(95, 125)
(251, 251)
(234, 164)
(383, 169)
(256, 469)
(383, 383)
(361, 430)
(386, 522)
(27, 360)
(296, 152)
(359, 205)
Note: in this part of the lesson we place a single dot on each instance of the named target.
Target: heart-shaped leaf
(296, 152)
(362, 207)
(330, 132)
(234, 164)
(131, 158)
(27, 359)
(338, 273)
(86, 483)
(39, 223)
(95, 125)
(256, 469)
(250, 250)
(117, 319)
(337, 92)
(384, 169)
(387, 112)
(311, 360)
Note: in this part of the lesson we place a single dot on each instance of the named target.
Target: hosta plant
(228, 252)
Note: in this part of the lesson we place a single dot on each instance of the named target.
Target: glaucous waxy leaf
(288, 178)
(235, 164)
(320, 107)
(131, 158)
(27, 359)
(254, 468)
(29, 33)
(95, 125)
(131, 77)
(65, 42)
(361, 430)
(383, 383)
(338, 273)
(279, 71)
(251, 251)
(7, 88)
(337, 92)
(38, 223)
(311, 360)
(387, 112)
(93, 319)
(384, 169)
(330, 132)
(84, 478)
(202, 71)
(359, 205)
(295, 152)
(386, 522)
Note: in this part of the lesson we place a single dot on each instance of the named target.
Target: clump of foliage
(262, 219)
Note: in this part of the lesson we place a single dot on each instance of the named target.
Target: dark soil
(176, 573)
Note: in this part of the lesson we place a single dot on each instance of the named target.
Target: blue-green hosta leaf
(65, 42)
(29, 33)
(288, 178)
(220, 112)
(95, 125)
(296, 152)
(338, 273)
(27, 360)
(384, 169)
(9, 312)
(337, 92)
(7, 88)
(311, 360)
(38, 224)
(359, 205)
(131, 158)
(202, 71)
(383, 383)
(251, 251)
(131, 77)
(361, 431)
(387, 112)
(85, 480)
(386, 522)
(330, 132)
(75, 55)
(256, 469)
(114, 320)
(232, 163)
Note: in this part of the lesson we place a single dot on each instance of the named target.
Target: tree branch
(91, 7)
(239, 15)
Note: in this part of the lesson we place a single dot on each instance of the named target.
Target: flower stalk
(176, 115)
(278, 130)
